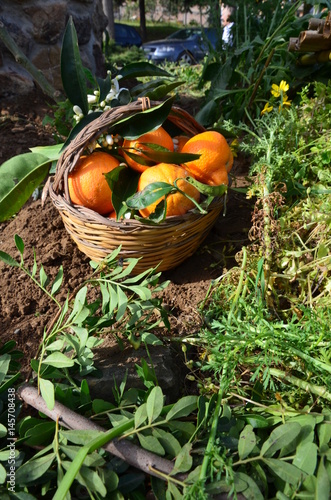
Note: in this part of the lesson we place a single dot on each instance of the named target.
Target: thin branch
(132, 454)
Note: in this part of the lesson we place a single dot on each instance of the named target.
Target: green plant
(241, 75)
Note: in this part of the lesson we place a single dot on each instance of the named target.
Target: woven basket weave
(165, 245)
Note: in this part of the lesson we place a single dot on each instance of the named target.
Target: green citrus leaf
(123, 183)
(134, 70)
(152, 193)
(142, 122)
(19, 177)
(72, 70)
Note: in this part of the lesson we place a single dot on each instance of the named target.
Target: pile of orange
(88, 186)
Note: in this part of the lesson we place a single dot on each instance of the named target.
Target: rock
(114, 363)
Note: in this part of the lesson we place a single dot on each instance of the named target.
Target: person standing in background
(227, 24)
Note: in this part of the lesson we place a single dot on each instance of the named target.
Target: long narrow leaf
(72, 70)
(19, 177)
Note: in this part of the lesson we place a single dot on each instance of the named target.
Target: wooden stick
(132, 454)
(311, 41)
(316, 24)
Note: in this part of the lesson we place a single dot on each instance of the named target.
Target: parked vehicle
(187, 45)
(126, 35)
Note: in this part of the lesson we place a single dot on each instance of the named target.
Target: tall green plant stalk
(224, 385)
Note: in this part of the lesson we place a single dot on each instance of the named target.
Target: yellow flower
(234, 146)
(267, 108)
(281, 89)
(285, 102)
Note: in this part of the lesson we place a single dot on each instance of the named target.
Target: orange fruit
(177, 203)
(216, 157)
(87, 184)
(159, 137)
(179, 141)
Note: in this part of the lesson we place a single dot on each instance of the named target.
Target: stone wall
(37, 27)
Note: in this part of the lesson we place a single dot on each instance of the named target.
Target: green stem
(306, 386)
(213, 431)
(240, 284)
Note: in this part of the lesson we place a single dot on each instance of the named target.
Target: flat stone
(114, 363)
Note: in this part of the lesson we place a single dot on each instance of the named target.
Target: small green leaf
(150, 339)
(7, 259)
(19, 177)
(58, 281)
(43, 277)
(92, 480)
(252, 492)
(47, 392)
(162, 90)
(324, 434)
(281, 436)
(3, 474)
(306, 458)
(33, 469)
(81, 437)
(168, 441)
(183, 407)
(3, 431)
(184, 461)
(322, 251)
(4, 366)
(151, 443)
(72, 71)
(19, 243)
(40, 433)
(140, 415)
(154, 404)
(256, 421)
(323, 482)
(174, 493)
(122, 301)
(247, 442)
(58, 360)
(286, 471)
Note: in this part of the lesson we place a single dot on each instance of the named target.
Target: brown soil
(25, 311)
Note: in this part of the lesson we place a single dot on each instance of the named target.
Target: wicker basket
(165, 245)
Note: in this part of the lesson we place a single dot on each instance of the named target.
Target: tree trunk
(142, 19)
(109, 11)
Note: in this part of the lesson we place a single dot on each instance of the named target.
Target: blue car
(127, 36)
(187, 45)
